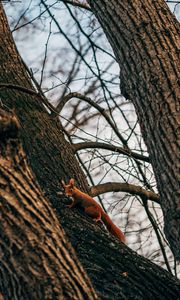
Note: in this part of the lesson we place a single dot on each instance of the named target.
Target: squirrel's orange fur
(91, 208)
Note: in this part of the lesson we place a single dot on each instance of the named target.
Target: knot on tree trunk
(9, 125)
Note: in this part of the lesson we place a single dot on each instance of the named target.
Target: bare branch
(95, 105)
(45, 54)
(67, 38)
(85, 145)
(156, 229)
(108, 119)
(124, 187)
(78, 4)
(30, 92)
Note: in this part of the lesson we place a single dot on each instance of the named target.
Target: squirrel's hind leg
(93, 213)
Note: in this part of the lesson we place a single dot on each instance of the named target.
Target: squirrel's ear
(71, 182)
(63, 183)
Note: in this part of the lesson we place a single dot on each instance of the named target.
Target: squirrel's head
(68, 187)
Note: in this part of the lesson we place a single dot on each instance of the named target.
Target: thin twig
(156, 229)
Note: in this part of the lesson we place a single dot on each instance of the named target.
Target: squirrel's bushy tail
(112, 228)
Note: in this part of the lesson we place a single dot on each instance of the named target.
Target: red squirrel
(91, 208)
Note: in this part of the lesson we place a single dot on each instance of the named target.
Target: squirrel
(91, 208)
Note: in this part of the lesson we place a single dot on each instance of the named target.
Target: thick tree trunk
(145, 37)
(43, 137)
(115, 271)
(36, 260)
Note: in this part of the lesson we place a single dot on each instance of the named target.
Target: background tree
(145, 43)
(40, 128)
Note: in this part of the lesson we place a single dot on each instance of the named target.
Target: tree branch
(95, 105)
(124, 187)
(156, 229)
(85, 145)
(77, 4)
(30, 92)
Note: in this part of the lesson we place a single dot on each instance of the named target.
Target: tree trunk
(42, 136)
(145, 36)
(36, 260)
(115, 271)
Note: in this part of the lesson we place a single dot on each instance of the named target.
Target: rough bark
(145, 38)
(115, 271)
(36, 260)
(40, 145)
